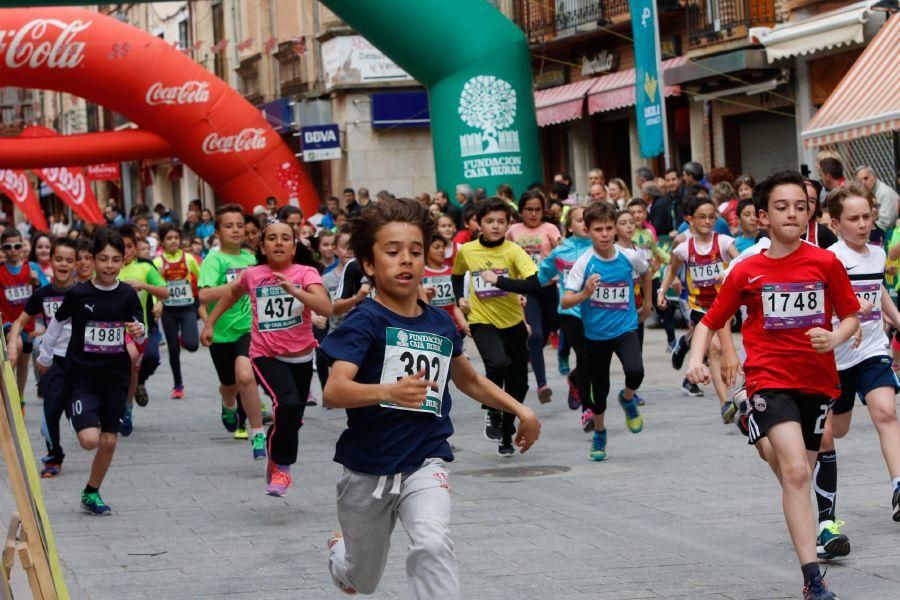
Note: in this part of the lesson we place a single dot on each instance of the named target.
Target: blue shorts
(862, 378)
(27, 344)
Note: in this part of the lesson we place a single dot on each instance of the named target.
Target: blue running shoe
(816, 589)
(94, 504)
(127, 423)
(598, 446)
(638, 400)
(831, 543)
(564, 366)
(633, 418)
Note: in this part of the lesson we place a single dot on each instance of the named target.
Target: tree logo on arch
(488, 103)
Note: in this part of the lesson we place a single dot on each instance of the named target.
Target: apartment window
(184, 35)
(291, 70)
(248, 74)
(218, 20)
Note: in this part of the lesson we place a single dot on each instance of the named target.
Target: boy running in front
(98, 367)
(393, 356)
(791, 291)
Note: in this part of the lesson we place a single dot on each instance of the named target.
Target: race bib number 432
(443, 289)
(408, 352)
(793, 305)
(276, 309)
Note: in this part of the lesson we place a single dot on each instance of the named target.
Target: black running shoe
(815, 589)
(492, 429)
(896, 503)
(691, 389)
(140, 395)
(680, 352)
(506, 448)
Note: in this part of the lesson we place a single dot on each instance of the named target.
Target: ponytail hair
(302, 255)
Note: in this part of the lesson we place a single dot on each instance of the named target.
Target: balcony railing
(712, 21)
(543, 20)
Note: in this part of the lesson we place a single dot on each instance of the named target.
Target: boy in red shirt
(791, 292)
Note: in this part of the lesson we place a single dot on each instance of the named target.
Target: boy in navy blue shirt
(393, 356)
(602, 282)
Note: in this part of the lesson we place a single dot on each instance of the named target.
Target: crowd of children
(379, 307)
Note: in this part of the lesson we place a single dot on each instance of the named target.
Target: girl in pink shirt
(538, 238)
(283, 296)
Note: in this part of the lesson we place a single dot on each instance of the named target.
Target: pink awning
(616, 90)
(561, 103)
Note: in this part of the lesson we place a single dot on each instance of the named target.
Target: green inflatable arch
(477, 67)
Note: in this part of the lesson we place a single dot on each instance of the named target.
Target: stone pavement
(683, 509)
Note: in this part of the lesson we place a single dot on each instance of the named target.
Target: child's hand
(157, 310)
(698, 373)
(489, 276)
(822, 340)
(41, 369)
(463, 304)
(285, 283)
(429, 292)
(528, 431)
(857, 338)
(591, 284)
(364, 291)
(206, 336)
(661, 301)
(137, 285)
(866, 307)
(410, 391)
(731, 366)
(134, 329)
(319, 321)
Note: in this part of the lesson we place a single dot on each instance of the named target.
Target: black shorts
(770, 407)
(97, 405)
(860, 379)
(697, 316)
(225, 353)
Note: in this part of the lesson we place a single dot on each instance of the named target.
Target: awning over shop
(867, 100)
(617, 90)
(831, 29)
(561, 103)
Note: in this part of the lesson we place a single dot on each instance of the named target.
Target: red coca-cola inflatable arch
(208, 125)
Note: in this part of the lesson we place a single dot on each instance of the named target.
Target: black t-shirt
(46, 301)
(97, 347)
(354, 278)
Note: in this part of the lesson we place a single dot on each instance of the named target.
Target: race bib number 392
(409, 352)
(793, 305)
(276, 309)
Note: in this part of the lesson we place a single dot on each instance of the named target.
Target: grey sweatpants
(368, 507)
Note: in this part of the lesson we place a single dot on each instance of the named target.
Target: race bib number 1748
(793, 305)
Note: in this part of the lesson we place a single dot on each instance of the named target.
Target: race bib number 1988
(408, 352)
(104, 337)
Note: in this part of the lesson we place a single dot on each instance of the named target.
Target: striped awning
(867, 100)
(561, 103)
(617, 90)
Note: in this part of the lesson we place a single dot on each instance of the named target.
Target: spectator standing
(351, 207)
(885, 198)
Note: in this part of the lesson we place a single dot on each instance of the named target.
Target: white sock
(896, 482)
(255, 430)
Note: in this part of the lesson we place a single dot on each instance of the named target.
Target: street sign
(321, 142)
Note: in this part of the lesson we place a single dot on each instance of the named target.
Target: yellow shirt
(490, 305)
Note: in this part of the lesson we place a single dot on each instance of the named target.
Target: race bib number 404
(180, 293)
(793, 305)
(408, 352)
(104, 337)
(276, 309)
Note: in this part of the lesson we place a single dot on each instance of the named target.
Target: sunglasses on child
(15, 246)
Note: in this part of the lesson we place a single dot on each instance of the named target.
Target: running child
(100, 314)
(705, 256)
(44, 303)
(332, 282)
(790, 291)
(324, 244)
(864, 366)
(282, 295)
(537, 238)
(645, 238)
(179, 314)
(393, 356)
(556, 267)
(602, 282)
(84, 268)
(446, 230)
(500, 270)
(438, 283)
(230, 346)
(749, 226)
(18, 280)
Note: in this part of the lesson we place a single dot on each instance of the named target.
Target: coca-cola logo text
(28, 48)
(14, 184)
(189, 92)
(65, 181)
(245, 141)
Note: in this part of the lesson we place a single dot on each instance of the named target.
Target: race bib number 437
(793, 305)
(408, 352)
(276, 309)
